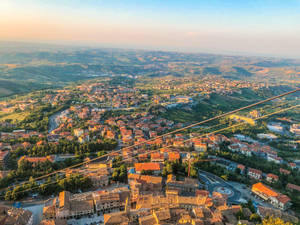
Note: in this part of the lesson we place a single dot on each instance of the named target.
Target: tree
(255, 218)
(7, 196)
(120, 174)
(224, 177)
(238, 171)
(240, 215)
(274, 221)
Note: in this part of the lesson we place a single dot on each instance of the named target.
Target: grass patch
(13, 116)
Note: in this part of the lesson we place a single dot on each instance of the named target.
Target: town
(114, 155)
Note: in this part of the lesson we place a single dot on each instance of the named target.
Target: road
(215, 183)
(53, 121)
(238, 193)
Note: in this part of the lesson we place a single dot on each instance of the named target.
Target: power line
(76, 165)
(220, 130)
(46, 184)
(202, 135)
(166, 134)
(163, 135)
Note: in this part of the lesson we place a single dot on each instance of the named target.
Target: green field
(13, 116)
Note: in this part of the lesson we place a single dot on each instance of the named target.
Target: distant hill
(26, 67)
(242, 72)
(10, 87)
(211, 70)
(280, 63)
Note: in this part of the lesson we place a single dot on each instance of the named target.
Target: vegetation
(274, 221)
(72, 183)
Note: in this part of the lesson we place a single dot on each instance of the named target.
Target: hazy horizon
(262, 28)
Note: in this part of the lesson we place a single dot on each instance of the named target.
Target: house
(254, 173)
(110, 200)
(72, 208)
(246, 151)
(263, 191)
(275, 198)
(281, 201)
(13, 216)
(292, 187)
(293, 165)
(241, 167)
(272, 178)
(275, 159)
(284, 171)
(142, 184)
(234, 147)
(173, 156)
(188, 185)
(148, 166)
(98, 180)
(157, 157)
(200, 146)
(143, 157)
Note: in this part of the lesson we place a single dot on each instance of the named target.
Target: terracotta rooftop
(293, 187)
(174, 156)
(146, 166)
(273, 176)
(260, 187)
(284, 171)
(254, 171)
(148, 179)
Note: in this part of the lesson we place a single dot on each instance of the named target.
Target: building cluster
(137, 128)
(257, 149)
(207, 85)
(99, 173)
(67, 206)
(119, 206)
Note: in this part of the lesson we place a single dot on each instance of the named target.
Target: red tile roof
(174, 156)
(293, 187)
(283, 198)
(157, 155)
(146, 166)
(273, 176)
(284, 171)
(255, 171)
(260, 187)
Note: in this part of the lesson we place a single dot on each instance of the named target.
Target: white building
(275, 127)
(295, 129)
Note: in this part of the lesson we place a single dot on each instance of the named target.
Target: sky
(254, 27)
